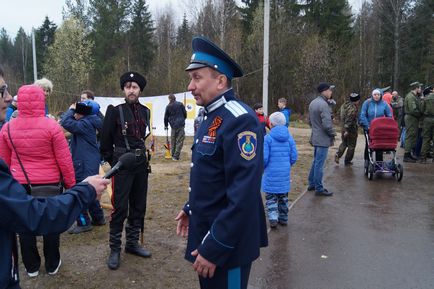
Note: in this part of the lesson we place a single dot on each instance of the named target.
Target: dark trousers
(378, 153)
(30, 254)
(234, 278)
(29, 249)
(129, 200)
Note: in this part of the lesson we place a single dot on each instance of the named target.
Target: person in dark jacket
(82, 122)
(280, 154)
(125, 129)
(22, 213)
(224, 216)
(175, 115)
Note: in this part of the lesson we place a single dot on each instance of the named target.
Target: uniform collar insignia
(220, 100)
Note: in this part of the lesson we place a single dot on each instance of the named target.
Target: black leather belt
(136, 152)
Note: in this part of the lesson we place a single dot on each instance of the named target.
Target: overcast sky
(31, 13)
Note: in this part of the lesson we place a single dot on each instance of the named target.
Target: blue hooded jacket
(372, 109)
(84, 147)
(280, 153)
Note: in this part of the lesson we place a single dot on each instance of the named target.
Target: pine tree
(142, 47)
(44, 37)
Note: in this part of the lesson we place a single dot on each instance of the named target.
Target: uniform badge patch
(247, 144)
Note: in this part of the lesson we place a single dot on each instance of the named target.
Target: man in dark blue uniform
(224, 217)
(125, 129)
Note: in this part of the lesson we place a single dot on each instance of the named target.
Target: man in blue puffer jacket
(280, 153)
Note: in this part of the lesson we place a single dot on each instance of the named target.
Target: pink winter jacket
(39, 141)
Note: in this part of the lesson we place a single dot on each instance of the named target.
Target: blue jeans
(317, 168)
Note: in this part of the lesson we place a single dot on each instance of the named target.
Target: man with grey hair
(322, 137)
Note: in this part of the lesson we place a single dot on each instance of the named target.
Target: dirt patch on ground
(84, 255)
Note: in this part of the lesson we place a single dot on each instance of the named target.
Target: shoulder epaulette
(235, 108)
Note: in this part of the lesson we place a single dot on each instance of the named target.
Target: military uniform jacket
(226, 214)
(136, 120)
(427, 105)
(412, 105)
(349, 116)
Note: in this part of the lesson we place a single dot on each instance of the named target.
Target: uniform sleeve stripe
(235, 108)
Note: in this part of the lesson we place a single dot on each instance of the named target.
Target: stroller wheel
(371, 171)
(399, 172)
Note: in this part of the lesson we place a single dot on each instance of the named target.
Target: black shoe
(310, 189)
(408, 158)
(349, 163)
(98, 222)
(283, 223)
(324, 193)
(114, 260)
(139, 251)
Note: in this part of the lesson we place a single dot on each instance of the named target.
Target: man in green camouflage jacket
(427, 109)
(411, 118)
(349, 113)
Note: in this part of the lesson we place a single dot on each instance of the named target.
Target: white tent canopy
(157, 105)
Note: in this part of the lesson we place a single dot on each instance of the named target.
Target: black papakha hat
(324, 86)
(354, 96)
(83, 108)
(132, 76)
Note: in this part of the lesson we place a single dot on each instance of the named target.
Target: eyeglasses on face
(3, 90)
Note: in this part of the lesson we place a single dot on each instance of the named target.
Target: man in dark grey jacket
(175, 115)
(322, 137)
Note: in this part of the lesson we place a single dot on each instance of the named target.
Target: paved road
(370, 234)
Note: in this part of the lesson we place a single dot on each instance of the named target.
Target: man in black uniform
(125, 129)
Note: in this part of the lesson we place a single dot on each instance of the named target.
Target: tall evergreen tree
(109, 28)
(184, 35)
(23, 66)
(44, 37)
(142, 47)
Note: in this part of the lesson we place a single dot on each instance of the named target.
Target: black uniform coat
(226, 214)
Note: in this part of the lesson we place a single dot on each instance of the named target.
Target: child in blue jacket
(280, 154)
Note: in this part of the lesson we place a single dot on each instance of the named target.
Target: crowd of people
(237, 153)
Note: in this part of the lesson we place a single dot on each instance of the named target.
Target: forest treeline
(388, 42)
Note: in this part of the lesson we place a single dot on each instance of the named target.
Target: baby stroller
(383, 138)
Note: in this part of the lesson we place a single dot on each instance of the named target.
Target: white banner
(157, 105)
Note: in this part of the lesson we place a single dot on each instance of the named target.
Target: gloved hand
(345, 134)
(166, 128)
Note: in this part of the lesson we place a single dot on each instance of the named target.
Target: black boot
(115, 236)
(408, 158)
(113, 260)
(132, 246)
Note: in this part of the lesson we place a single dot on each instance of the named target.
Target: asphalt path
(370, 234)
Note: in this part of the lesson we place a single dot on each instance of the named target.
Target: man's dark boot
(408, 158)
(113, 260)
(132, 246)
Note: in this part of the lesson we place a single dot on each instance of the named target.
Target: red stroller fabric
(383, 133)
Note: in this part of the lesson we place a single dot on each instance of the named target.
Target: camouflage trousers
(428, 135)
(277, 207)
(348, 143)
(177, 141)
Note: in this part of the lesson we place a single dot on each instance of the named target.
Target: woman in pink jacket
(45, 157)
